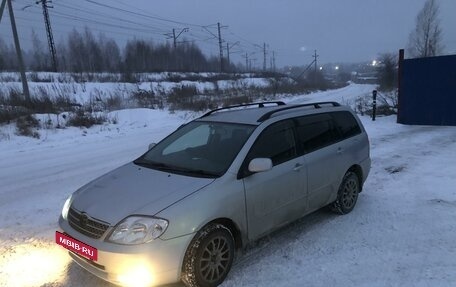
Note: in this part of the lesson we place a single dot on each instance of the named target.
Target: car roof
(245, 116)
(249, 114)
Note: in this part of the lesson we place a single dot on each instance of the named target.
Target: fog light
(137, 276)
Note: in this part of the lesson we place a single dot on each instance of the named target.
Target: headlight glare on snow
(66, 207)
(138, 229)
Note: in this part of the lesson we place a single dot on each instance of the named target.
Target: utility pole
(305, 70)
(19, 52)
(173, 35)
(44, 4)
(273, 61)
(221, 48)
(219, 40)
(228, 55)
(2, 7)
(254, 64)
(315, 56)
(228, 47)
(264, 56)
(246, 56)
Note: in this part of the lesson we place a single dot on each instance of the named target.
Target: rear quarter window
(346, 124)
(315, 132)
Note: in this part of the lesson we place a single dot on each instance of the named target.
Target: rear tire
(209, 257)
(347, 195)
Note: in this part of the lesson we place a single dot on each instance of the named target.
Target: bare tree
(8, 59)
(110, 53)
(40, 59)
(387, 72)
(426, 39)
(94, 58)
(63, 56)
(3, 50)
(77, 54)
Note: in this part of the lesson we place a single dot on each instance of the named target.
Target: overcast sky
(340, 30)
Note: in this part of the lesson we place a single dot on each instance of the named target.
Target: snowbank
(400, 233)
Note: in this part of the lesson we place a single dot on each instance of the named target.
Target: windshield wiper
(204, 173)
(151, 164)
(166, 167)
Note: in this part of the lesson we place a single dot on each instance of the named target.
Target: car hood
(131, 188)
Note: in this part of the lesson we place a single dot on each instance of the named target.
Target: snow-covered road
(401, 233)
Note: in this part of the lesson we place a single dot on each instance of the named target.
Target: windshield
(204, 149)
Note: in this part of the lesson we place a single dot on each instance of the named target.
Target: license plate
(76, 246)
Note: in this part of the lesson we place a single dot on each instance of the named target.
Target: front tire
(347, 195)
(209, 257)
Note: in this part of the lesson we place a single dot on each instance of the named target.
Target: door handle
(340, 150)
(298, 167)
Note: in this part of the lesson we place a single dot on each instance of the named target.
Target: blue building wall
(428, 91)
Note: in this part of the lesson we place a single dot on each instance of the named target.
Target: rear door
(353, 143)
(317, 137)
(277, 196)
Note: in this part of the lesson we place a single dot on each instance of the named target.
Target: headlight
(66, 207)
(138, 230)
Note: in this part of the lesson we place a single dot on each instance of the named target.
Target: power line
(141, 14)
(72, 26)
(228, 46)
(167, 25)
(245, 40)
(173, 35)
(98, 14)
(109, 20)
(86, 20)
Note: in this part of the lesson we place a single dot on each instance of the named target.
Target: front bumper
(156, 263)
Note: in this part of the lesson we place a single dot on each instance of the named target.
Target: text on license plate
(76, 246)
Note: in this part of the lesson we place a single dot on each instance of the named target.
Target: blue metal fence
(427, 93)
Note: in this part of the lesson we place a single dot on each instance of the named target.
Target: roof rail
(260, 105)
(315, 105)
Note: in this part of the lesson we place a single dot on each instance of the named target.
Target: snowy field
(160, 84)
(401, 233)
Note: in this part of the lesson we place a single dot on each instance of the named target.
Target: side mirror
(152, 145)
(260, 164)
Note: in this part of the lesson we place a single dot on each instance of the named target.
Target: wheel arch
(187, 271)
(232, 226)
(356, 169)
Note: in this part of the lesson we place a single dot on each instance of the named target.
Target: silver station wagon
(182, 210)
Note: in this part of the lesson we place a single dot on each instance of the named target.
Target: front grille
(86, 225)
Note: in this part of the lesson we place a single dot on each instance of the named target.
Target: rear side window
(315, 132)
(276, 142)
(346, 124)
